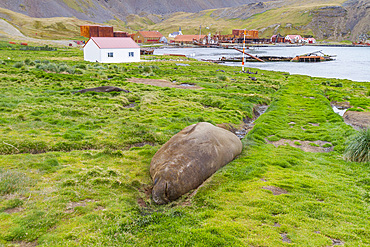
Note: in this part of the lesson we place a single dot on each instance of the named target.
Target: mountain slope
(104, 10)
(334, 20)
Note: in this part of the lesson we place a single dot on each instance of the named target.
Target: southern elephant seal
(103, 89)
(189, 158)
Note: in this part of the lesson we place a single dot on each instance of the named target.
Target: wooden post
(258, 59)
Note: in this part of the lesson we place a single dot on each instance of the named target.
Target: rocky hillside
(352, 19)
(104, 10)
(334, 20)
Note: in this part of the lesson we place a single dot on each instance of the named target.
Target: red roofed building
(310, 40)
(294, 38)
(147, 37)
(111, 50)
(189, 39)
(277, 39)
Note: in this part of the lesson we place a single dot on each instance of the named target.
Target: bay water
(351, 63)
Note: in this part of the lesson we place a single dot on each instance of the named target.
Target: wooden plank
(258, 59)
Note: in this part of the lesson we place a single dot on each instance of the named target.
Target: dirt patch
(314, 124)
(275, 190)
(24, 244)
(358, 120)
(72, 205)
(99, 208)
(141, 202)
(285, 238)
(13, 210)
(141, 144)
(132, 105)
(161, 83)
(336, 242)
(306, 146)
(147, 190)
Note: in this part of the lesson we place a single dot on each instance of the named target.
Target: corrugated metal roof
(294, 36)
(188, 38)
(115, 42)
(151, 34)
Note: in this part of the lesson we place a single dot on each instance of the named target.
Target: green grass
(74, 168)
(13, 181)
(358, 148)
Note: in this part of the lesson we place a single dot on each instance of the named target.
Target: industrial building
(147, 37)
(89, 31)
(249, 34)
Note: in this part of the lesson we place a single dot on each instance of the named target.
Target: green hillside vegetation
(290, 18)
(74, 168)
(45, 28)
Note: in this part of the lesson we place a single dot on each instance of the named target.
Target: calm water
(351, 63)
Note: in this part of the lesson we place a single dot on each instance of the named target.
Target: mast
(243, 49)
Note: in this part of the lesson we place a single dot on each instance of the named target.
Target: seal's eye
(155, 180)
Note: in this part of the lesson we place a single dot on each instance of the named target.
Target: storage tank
(121, 34)
(106, 31)
(89, 31)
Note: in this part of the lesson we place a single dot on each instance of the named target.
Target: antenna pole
(200, 31)
(243, 49)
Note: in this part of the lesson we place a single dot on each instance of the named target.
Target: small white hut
(111, 50)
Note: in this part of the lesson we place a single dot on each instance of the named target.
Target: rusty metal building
(121, 34)
(89, 31)
(250, 34)
(106, 31)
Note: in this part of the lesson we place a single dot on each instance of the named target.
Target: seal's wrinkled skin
(189, 158)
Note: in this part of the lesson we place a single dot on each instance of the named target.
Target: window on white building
(131, 54)
(110, 54)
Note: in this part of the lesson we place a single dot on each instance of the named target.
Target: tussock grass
(13, 181)
(358, 148)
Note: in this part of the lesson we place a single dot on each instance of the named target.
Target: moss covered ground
(74, 168)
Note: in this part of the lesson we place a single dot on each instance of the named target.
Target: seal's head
(160, 191)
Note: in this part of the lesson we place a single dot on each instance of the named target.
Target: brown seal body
(103, 89)
(189, 158)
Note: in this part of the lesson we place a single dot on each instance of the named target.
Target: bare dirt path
(162, 83)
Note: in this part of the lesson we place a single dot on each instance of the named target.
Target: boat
(317, 56)
(251, 59)
(146, 51)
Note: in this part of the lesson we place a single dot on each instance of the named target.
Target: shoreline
(231, 46)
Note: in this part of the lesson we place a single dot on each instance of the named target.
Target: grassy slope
(45, 28)
(96, 194)
(294, 13)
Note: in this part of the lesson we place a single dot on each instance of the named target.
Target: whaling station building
(111, 50)
(147, 37)
(89, 31)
